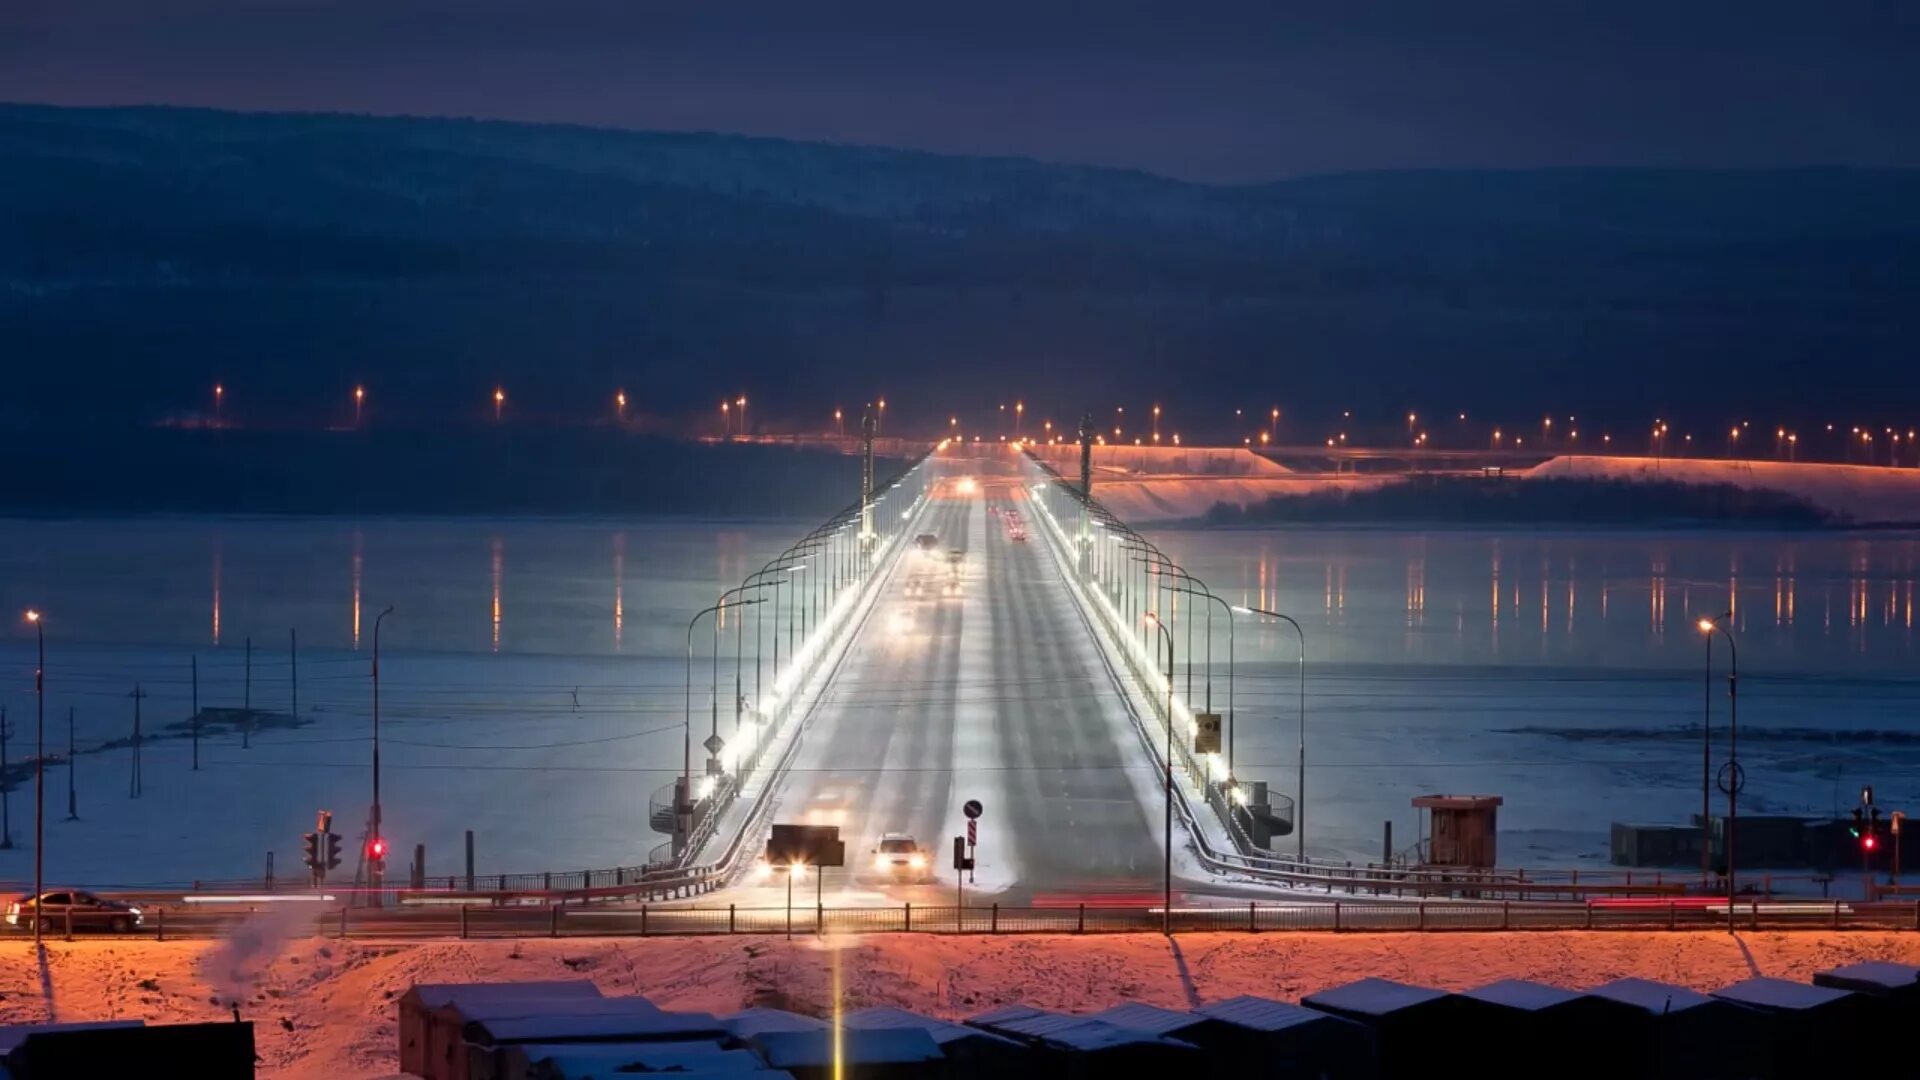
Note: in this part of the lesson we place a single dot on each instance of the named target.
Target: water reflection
(359, 562)
(216, 589)
(619, 585)
(499, 566)
(1357, 580)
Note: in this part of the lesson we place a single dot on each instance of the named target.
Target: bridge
(981, 628)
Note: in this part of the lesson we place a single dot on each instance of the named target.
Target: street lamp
(1166, 904)
(374, 876)
(620, 404)
(1300, 790)
(359, 400)
(39, 764)
(1724, 626)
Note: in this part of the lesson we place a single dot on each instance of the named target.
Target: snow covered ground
(326, 1009)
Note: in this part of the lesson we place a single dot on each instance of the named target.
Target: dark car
(87, 912)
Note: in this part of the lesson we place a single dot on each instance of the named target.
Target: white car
(900, 856)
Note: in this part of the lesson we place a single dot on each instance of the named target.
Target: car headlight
(918, 862)
(880, 862)
(134, 911)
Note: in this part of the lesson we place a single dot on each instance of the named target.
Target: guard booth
(1461, 830)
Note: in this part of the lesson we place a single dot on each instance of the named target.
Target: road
(982, 686)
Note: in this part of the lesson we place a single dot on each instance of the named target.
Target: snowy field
(533, 679)
(326, 1009)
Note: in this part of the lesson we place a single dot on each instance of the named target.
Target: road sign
(1732, 779)
(714, 743)
(972, 809)
(1206, 733)
(973, 832)
(811, 845)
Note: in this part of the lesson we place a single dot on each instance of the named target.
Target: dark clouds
(1231, 90)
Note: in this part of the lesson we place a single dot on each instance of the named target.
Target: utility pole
(376, 865)
(867, 429)
(133, 781)
(293, 669)
(73, 802)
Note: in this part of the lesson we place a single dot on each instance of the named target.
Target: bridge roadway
(986, 686)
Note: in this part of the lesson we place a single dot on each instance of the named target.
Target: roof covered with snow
(1084, 1033)
(1652, 996)
(1138, 1016)
(1876, 973)
(1374, 997)
(1779, 994)
(747, 1023)
(1263, 1014)
(1522, 994)
(881, 1017)
(870, 1046)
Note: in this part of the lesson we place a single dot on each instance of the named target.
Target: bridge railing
(1220, 841)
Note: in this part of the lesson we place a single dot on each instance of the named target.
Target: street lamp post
(1300, 789)
(39, 764)
(1166, 904)
(374, 876)
(683, 798)
(1724, 626)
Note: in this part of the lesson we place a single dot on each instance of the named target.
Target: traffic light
(333, 851)
(377, 855)
(1859, 827)
(1872, 840)
(311, 846)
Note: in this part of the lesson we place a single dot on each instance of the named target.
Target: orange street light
(499, 400)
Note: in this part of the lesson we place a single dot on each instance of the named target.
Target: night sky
(1234, 90)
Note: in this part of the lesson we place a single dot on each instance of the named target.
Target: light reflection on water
(1557, 598)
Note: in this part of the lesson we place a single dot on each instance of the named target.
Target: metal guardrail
(556, 920)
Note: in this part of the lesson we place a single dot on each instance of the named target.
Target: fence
(534, 921)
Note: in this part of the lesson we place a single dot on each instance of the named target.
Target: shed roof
(1779, 994)
(1374, 997)
(943, 1032)
(1263, 1014)
(1522, 994)
(1880, 973)
(869, 1046)
(747, 1023)
(1652, 996)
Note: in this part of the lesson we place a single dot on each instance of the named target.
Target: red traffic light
(1869, 842)
(377, 849)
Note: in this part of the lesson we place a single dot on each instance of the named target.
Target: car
(927, 541)
(61, 908)
(899, 855)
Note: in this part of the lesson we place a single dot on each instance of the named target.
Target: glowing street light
(839, 423)
(620, 404)
(219, 398)
(35, 618)
(1724, 626)
(726, 419)
(499, 402)
(1166, 910)
(742, 403)
(359, 400)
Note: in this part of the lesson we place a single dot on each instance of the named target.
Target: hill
(148, 252)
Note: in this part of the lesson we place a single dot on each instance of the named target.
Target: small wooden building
(1461, 829)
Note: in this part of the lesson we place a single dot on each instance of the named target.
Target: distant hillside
(145, 253)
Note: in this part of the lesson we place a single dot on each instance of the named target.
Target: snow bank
(328, 1008)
